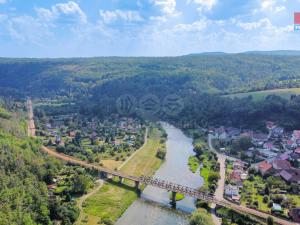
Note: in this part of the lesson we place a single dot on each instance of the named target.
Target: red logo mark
(297, 18)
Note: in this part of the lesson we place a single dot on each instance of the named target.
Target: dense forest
(218, 74)
(25, 172)
(95, 84)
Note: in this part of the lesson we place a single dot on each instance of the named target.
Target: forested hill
(23, 191)
(200, 73)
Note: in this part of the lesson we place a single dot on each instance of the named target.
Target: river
(146, 210)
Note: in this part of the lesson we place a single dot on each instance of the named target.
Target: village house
(233, 133)
(277, 132)
(290, 144)
(264, 168)
(259, 139)
(232, 193)
(279, 164)
(220, 133)
(291, 176)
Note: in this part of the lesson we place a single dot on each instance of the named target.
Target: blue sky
(81, 28)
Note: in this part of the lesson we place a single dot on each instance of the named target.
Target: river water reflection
(174, 169)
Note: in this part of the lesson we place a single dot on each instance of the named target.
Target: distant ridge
(278, 52)
(269, 53)
(209, 53)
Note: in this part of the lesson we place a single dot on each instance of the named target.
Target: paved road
(221, 183)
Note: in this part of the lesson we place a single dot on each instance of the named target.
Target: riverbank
(112, 200)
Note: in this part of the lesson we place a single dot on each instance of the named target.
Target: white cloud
(272, 5)
(278, 9)
(67, 12)
(195, 26)
(266, 28)
(127, 16)
(265, 22)
(168, 7)
(2, 1)
(27, 29)
(205, 5)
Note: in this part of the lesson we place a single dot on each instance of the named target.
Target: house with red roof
(265, 167)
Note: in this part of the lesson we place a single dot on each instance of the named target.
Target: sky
(85, 28)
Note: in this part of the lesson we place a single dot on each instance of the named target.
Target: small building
(260, 137)
(220, 133)
(280, 164)
(277, 132)
(231, 190)
(276, 208)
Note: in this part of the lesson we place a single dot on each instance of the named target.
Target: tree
(200, 217)
(270, 220)
(241, 144)
(265, 199)
(77, 138)
(81, 184)
(199, 149)
(161, 153)
(213, 177)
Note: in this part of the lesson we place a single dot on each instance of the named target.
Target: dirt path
(85, 197)
(130, 157)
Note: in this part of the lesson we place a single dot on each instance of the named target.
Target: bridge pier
(137, 188)
(137, 185)
(173, 199)
(120, 179)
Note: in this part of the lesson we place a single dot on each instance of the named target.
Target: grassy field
(259, 95)
(206, 169)
(111, 201)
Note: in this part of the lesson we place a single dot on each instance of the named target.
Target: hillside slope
(203, 73)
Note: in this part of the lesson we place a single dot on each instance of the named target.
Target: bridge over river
(172, 187)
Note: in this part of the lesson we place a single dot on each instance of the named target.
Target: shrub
(265, 199)
(161, 154)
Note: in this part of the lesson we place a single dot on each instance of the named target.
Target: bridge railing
(169, 186)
